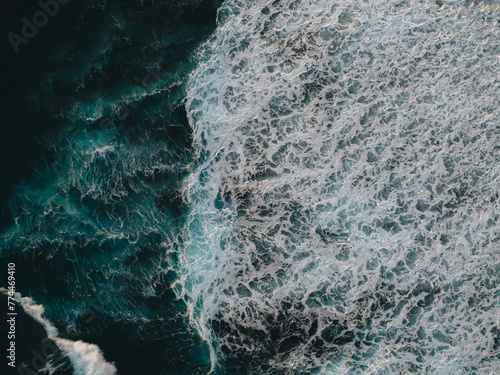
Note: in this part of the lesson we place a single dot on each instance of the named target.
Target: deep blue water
(101, 263)
(252, 187)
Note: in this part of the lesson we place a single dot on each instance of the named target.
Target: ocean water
(95, 146)
(257, 187)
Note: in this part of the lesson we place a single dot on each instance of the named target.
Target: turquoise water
(276, 187)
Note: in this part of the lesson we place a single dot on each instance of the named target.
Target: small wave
(87, 359)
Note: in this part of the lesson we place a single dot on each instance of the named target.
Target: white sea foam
(345, 215)
(87, 359)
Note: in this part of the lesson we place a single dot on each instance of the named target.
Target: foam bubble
(345, 210)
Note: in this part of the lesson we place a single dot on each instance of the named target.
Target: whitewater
(344, 215)
(85, 358)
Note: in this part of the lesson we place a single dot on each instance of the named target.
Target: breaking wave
(85, 358)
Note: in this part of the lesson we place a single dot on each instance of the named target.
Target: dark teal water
(309, 187)
(94, 144)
